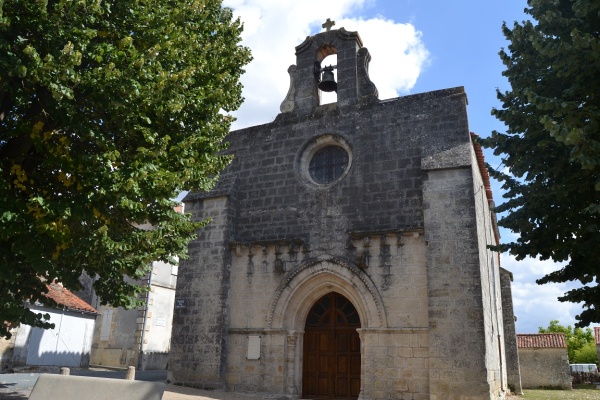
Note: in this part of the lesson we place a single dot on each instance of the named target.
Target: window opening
(329, 97)
(328, 164)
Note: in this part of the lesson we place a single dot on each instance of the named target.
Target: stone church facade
(347, 251)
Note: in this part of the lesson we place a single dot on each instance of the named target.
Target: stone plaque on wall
(253, 347)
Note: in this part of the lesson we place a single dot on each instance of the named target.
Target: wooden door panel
(341, 387)
(324, 386)
(310, 343)
(311, 362)
(323, 363)
(342, 342)
(324, 341)
(355, 343)
(310, 386)
(331, 368)
(355, 364)
(355, 387)
(342, 364)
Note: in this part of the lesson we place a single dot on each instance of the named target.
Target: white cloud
(398, 54)
(273, 28)
(536, 305)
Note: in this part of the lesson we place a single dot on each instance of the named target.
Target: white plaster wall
(67, 344)
(160, 320)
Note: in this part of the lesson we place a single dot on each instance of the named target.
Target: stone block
(67, 387)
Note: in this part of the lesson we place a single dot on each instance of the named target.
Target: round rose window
(328, 164)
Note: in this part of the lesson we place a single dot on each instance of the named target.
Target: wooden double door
(331, 366)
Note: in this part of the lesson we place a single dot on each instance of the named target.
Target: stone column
(361, 335)
(292, 359)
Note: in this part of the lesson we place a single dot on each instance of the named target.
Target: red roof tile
(597, 335)
(486, 179)
(541, 341)
(64, 297)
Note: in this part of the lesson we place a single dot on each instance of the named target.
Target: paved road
(18, 386)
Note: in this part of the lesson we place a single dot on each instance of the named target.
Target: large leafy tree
(108, 110)
(551, 147)
(581, 345)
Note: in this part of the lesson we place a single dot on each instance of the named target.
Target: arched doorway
(331, 363)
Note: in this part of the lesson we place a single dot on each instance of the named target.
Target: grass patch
(579, 392)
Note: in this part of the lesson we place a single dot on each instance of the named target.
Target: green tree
(108, 110)
(587, 354)
(551, 147)
(580, 342)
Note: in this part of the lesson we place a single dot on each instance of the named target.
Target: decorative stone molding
(366, 88)
(288, 103)
(303, 285)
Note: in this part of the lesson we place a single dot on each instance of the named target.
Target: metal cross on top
(328, 24)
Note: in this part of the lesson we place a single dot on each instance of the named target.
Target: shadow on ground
(7, 394)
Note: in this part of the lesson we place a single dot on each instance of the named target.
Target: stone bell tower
(346, 257)
(354, 85)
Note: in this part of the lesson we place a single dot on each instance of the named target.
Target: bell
(328, 83)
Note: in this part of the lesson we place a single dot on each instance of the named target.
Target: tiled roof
(597, 335)
(541, 341)
(65, 298)
(486, 178)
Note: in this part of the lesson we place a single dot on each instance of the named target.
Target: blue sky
(416, 46)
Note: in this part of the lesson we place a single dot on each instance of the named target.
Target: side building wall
(513, 368)
(119, 332)
(66, 345)
(201, 321)
(489, 266)
(545, 368)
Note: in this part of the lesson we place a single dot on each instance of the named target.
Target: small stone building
(544, 361)
(347, 251)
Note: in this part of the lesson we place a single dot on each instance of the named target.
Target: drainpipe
(145, 320)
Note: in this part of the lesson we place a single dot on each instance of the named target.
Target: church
(347, 254)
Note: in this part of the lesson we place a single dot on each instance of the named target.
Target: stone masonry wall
(395, 358)
(401, 222)
(545, 368)
(396, 364)
(491, 291)
(199, 336)
(457, 335)
(513, 371)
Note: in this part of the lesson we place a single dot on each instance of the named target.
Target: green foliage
(551, 147)
(108, 110)
(587, 354)
(581, 345)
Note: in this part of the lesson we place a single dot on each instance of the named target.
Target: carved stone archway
(298, 292)
(304, 285)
